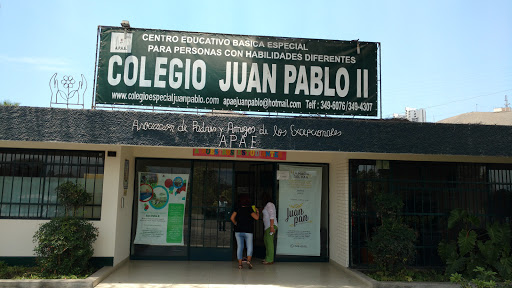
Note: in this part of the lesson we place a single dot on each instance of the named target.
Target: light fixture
(125, 24)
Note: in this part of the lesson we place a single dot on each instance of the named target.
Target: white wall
(105, 244)
(16, 235)
(339, 211)
(124, 204)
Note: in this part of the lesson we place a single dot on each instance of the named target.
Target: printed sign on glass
(161, 208)
(300, 194)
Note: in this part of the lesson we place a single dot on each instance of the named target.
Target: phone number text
(338, 105)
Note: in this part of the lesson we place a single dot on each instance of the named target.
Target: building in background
(413, 115)
(484, 118)
(500, 116)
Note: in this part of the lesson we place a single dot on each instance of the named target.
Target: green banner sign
(236, 72)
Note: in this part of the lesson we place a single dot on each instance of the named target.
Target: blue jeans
(240, 237)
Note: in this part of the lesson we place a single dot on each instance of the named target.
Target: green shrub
(392, 244)
(72, 196)
(34, 272)
(64, 244)
(483, 279)
(489, 249)
(10, 272)
(4, 274)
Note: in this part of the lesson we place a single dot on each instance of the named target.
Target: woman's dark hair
(244, 200)
(267, 198)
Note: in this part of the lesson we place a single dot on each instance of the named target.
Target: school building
(335, 166)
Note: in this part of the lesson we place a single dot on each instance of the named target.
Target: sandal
(240, 266)
(267, 263)
(249, 264)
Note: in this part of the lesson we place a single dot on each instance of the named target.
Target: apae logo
(121, 43)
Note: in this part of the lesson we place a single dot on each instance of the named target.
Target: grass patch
(35, 272)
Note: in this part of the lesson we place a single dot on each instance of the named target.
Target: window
(430, 191)
(28, 179)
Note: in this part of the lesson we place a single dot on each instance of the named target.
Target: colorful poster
(214, 152)
(300, 195)
(257, 154)
(161, 208)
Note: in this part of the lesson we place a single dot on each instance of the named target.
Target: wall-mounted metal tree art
(67, 91)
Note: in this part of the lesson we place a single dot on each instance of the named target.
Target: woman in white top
(270, 225)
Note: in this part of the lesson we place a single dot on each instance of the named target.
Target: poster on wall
(161, 208)
(300, 194)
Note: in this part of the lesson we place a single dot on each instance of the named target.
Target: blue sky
(449, 57)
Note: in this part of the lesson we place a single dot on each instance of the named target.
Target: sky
(446, 56)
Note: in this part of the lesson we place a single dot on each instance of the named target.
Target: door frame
(228, 253)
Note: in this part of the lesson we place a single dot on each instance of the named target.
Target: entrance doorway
(212, 192)
(211, 206)
(255, 179)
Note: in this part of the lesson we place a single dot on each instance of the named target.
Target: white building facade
(109, 152)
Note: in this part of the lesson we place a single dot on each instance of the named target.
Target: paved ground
(181, 274)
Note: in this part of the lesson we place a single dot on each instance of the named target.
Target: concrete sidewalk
(198, 274)
(138, 274)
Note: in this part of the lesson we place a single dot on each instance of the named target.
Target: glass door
(211, 206)
(159, 228)
(183, 208)
(202, 223)
(255, 179)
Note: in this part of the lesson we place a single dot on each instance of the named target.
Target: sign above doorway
(244, 153)
(190, 70)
